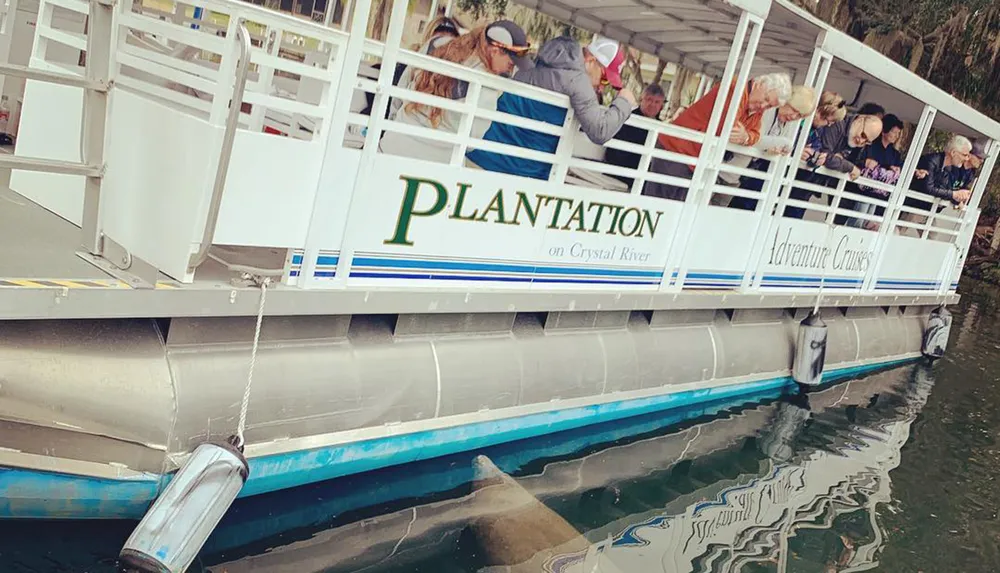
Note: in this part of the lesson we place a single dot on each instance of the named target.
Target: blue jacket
(559, 67)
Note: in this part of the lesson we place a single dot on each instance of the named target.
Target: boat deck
(42, 277)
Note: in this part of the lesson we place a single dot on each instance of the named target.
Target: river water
(896, 471)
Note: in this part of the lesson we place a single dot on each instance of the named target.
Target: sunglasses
(512, 51)
(864, 136)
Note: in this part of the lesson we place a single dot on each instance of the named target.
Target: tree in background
(954, 44)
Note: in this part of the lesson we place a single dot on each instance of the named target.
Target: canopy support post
(899, 195)
(390, 55)
(331, 195)
(970, 216)
(819, 69)
(679, 239)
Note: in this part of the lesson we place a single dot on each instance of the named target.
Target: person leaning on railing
(934, 177)
(496, 49)
(759, 95)
(439, 32)
(964, 176)
(881, 161)
(778, 129)
(831, 109)
(562, 66)
(650, 105)
(830, 149)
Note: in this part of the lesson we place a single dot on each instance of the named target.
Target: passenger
(777, 138)
(830, 149)
(964, 177)
(838, 140)
(650, 105)
(495, 48)
(562, 66)
(880, 161)
(441, 31)
(871, 108)
(831, 109)
(934, 175)
(759, 95)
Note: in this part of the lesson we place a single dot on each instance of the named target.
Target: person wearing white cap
(562, 66)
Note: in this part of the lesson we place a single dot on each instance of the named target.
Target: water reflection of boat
(756, 518)
(663, 475)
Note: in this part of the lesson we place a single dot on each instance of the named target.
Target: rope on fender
(262, 282)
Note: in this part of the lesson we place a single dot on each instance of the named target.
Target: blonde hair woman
(496, 48)
(831, 109)
(778, 126)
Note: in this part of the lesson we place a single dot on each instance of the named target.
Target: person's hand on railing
(961, 196)
(871, 164)
(783, 150)
(739, 136)
(854, 174)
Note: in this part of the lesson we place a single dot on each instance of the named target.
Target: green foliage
(482, 8)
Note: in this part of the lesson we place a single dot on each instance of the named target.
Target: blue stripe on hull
(38, 494)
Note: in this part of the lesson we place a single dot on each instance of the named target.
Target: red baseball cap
(611, 56)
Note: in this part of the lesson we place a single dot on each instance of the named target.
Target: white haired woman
(759, 95)
(778, 130)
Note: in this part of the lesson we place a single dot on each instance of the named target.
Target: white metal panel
(156, 190)
(912, 264)
(536, 234)
(800, 255)
(52, 116)
(268, 207)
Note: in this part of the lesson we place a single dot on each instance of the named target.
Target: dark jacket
(628, 159)
(559, 67)
(938, 182)
(834, 140)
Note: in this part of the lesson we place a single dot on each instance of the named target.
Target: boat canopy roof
(698, 35)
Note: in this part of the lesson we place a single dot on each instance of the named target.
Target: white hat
(609, 54)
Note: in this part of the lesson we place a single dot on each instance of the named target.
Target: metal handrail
(226, 151)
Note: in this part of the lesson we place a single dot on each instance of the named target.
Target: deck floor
(38, 244)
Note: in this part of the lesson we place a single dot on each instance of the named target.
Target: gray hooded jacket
(560, 67)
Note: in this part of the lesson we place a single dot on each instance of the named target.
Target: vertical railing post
(332, 197)
(819, 69)
(898, 196)
(710, 172)
(564, 149)
(466, 123)
(970, 216)
(101, 39)
(678, 240)
(769, 192)
(648, 146)
(781, 165)
(390, 55)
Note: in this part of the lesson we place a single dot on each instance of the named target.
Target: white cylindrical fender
(175, 528)
(936, 334)
(810, 351)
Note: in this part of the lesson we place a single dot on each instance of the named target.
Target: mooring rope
(241, 427)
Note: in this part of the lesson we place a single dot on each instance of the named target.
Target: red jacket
(697, 116)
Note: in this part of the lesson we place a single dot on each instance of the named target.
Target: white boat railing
(308, 175)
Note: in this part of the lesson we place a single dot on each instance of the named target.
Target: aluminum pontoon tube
(338, 395)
